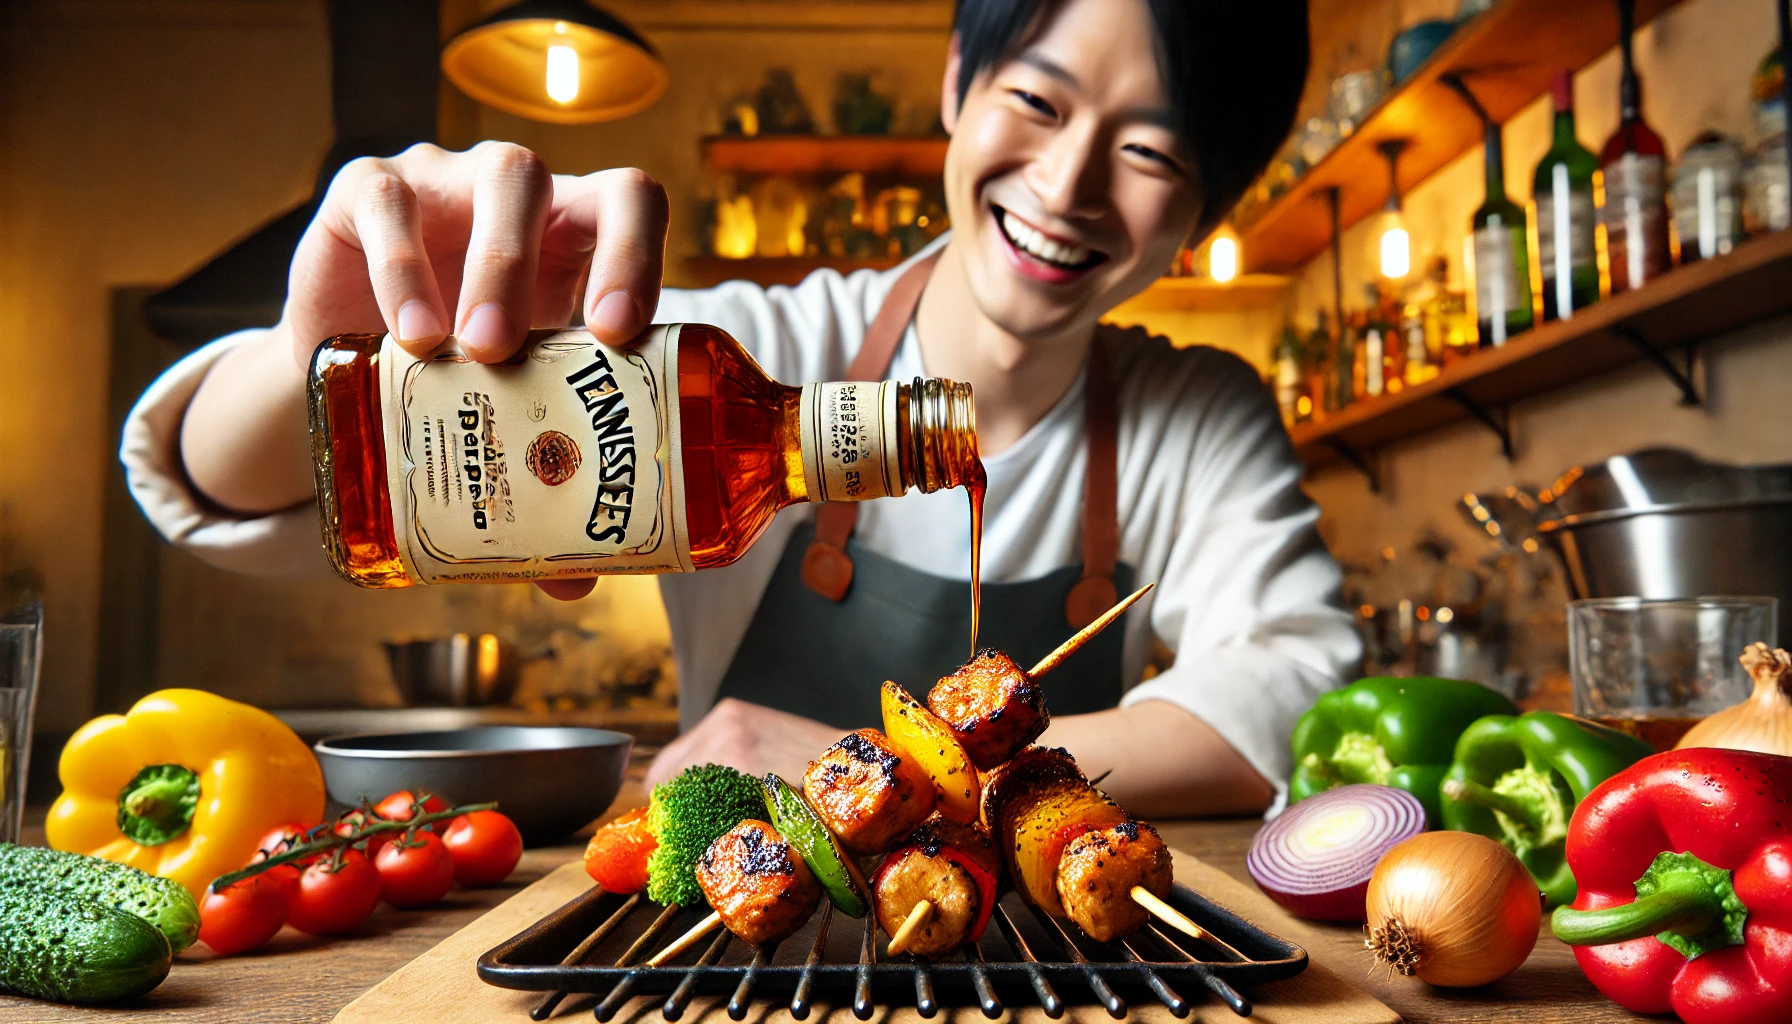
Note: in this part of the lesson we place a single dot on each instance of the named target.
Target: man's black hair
(1233, 70)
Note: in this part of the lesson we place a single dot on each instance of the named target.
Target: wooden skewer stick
(1167, 914)
(1087, 633)
(687, 940)
(917, 919)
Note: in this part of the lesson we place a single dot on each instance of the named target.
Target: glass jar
(1705, 195)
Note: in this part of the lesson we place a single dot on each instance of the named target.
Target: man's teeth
(1033, 243)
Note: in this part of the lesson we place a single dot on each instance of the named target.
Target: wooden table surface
(300, 978)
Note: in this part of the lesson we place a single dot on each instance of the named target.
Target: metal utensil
(462, 670)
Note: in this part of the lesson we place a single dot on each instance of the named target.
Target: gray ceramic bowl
(550, 780)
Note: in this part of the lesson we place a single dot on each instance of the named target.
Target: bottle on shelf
(1633, 164)
(1706, 197)
(1321, 381)
(1288, 376)
(1502, 262)
(578, 459)
(1567, 250)
(1344, 364)
(1449, 331)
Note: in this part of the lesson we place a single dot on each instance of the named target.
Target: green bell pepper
(1518, 780)
(1390, 731)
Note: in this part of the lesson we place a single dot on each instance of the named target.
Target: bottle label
(1565, 212)
(562, 462)
(849, 440)
(1497, 287)
(1634, 216)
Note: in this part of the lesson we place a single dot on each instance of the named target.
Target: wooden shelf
(768, 270)
(1685, 306)
(923, 157)
(1507, 57)
(1200, 294)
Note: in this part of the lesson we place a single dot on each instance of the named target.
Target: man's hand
(484, 244)
(750, 737)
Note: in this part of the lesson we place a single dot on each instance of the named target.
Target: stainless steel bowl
(1664, 523)
(550, 780)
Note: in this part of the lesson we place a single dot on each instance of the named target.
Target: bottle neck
(1496, 166)
(878, 439)
(937, 434)
(1564, 130)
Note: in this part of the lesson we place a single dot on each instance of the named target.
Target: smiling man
(1090, 139)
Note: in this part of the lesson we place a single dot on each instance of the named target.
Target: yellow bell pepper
(183, 785)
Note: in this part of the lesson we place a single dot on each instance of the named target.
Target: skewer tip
(917, 919)
(687, 940)
(1166, 913)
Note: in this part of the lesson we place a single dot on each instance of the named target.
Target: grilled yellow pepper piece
(183, 786)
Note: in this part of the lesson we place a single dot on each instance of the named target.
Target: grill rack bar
(585, 946)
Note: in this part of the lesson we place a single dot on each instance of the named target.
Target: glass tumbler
(21, 649)
(1653, 668)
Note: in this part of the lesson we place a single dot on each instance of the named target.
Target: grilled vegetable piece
(1025, 771)
(757, 882)
(922, 735)
(162, 902)
(992, 706)
(1096, 874)
(951, 865)
(618, 854)
(1036, 804)
(838, 874)
(57, 946)
(687, 813)
(866, 793)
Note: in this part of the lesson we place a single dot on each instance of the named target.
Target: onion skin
(1316, 859)
(1763, 722)
(1455, 908)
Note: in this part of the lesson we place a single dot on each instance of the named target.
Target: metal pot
(462, 670)
(1664, 523)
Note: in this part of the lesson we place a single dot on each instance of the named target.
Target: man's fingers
(624, 212)
(512, 192)
(389, 226)
(567, 590)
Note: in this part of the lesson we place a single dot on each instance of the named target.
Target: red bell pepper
(1684, 867)
(979, 875)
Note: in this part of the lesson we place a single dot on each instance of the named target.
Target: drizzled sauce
(975, 484)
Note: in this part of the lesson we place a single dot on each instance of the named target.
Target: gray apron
(838, 619)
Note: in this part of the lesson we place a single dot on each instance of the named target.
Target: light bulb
(1222, 257)
(1396, 253)
(563, 74)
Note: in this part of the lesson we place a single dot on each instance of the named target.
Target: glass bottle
(1567, 253)
(1706, 198)
(1502, 264)
(1288, 377)
(1321, 381)
(1632, 165)
(576, 459)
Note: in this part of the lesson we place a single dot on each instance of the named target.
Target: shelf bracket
(1355, 458)
(1681, 376)
(1500, 425)
(1454, 80)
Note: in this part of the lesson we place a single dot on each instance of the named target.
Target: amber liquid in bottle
(740, 439)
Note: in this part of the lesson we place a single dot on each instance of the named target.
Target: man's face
(1068, 190)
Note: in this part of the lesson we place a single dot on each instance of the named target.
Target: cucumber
(57, 946)
(162, 902)
(796, 822)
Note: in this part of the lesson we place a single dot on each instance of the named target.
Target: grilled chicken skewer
(867, 793)
(949, 868)
(757, 884)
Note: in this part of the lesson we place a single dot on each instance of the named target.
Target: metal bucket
(1664, 523)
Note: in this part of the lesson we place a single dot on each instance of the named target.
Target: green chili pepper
(1398, 732)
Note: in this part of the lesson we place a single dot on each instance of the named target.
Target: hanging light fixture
(1223, 255)
(1390, 247)
(559, 61)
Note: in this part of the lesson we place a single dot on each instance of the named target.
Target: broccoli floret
(687, 813)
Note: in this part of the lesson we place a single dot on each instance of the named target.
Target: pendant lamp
(558, 61)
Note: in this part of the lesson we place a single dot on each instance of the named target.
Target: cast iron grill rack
(598, 942)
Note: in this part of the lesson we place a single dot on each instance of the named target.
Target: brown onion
(1761, 723)
(1455, 908)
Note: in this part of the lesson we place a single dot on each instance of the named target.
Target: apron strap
(827, 568)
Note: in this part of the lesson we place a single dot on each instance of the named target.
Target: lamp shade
(559, 61)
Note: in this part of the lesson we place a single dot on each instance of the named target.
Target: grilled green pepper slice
(796, 822)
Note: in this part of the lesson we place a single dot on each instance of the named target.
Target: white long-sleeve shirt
(1210, 510)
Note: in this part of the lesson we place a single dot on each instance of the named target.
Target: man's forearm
(244, 440)
(1164, 761)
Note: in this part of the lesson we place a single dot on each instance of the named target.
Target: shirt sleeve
(1249, 597)
(283, 543)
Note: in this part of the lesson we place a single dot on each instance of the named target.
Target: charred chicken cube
(993, 707)
(866, 793)
(1098, 870)
(952, 866)
(757, 882)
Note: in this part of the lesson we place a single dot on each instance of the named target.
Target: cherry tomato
(415, 872)
(485, 846)
(278, 840)
(616, 857)
(332, 901)
(351, 822)
(402, 806)
(243, 916)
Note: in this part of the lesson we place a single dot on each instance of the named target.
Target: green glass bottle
(1502, 263)
(1563, 189)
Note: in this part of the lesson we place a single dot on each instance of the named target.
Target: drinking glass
(21, 649)
(1653, 668)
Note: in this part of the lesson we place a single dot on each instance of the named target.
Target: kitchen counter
(299, 978)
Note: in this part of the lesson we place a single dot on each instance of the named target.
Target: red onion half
(1316, 859)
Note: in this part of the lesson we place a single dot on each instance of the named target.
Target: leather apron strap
(827, 568)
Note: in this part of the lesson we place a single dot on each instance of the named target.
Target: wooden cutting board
(445, 981)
